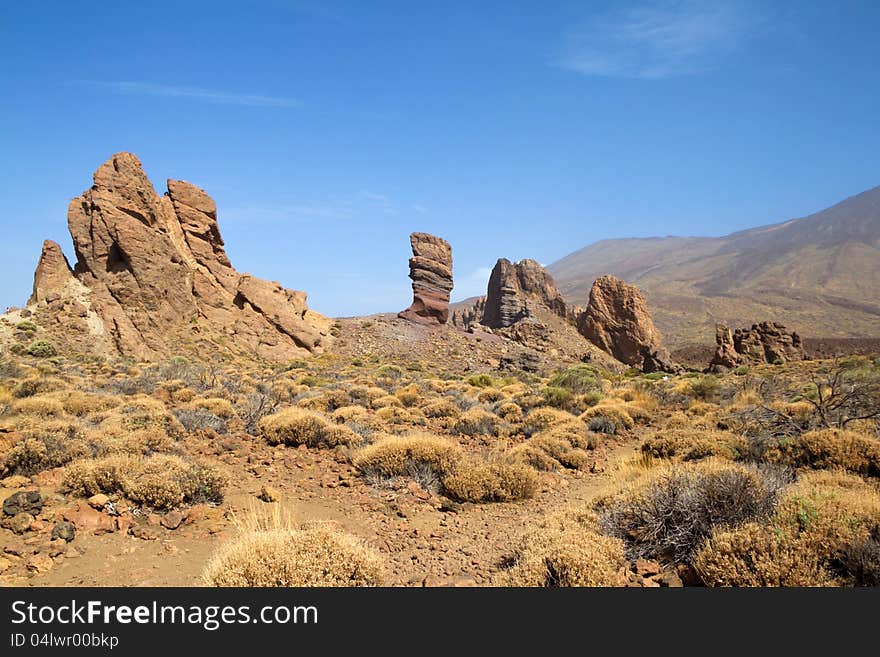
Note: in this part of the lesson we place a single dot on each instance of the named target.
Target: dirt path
(421, 542)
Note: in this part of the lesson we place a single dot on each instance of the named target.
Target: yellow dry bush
(566, 551)
(746, 397)
(394, 456)
(529, 400)
(474, 479)
(818, 519)
(140, 441)
(544, 418)
(559, 449)
(758, 555)
(490, 396)
(509, 412)
(48, 444)
(397, 415)
(366, 395)
(296, 426)
(37, 385)
(313, 557)
(386, 402)
(313, 403)
(441, 408)
(575, 433)
(694, 444)
(409, 396)
(614, 412)
(216, 405)
(141, 413)
(347, 414)
(39, 407)
(479, 422)
(83, 403)
(700, 408)
(159, 481)
(829, 448)
(677, 420)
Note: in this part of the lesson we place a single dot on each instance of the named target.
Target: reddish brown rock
(53, 273)
(430, 269)
(617, 320)
(767, 342)
(152, 279)
(514, 289)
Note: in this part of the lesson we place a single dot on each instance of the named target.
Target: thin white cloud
(421, 209)
(195, 94)
(665, 39)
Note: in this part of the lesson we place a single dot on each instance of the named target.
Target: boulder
(26, 501)
(767, 342)
(617, 321)
(430, 269)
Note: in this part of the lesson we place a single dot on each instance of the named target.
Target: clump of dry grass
(825, 449)
(670, 514)
(566, 551)
(395, 456)
(617, 413)
(285, 557)
(218, 406)
(160, 481)
(510, 412)
(695, 444)
(543, 418)
(297, 426)
(479, 422)
(48, 445)
(475, 479)
(824, 531)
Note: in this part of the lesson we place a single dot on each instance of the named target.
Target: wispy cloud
(364, 203)
(193, 94)
(663, 39)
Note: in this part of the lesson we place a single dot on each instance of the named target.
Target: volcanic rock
(26, 501)
(617, 320)
(513, 288)
(767, 342)
(152, 278)
(430, 269)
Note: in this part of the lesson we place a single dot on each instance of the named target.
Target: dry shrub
(142, 413)
(617, 413)
(296, 426)
(409, 396)
(823, 532)
(826, 448)
(490, 396)
(37, 385)
(397, 415)
(475, 479)
(365, 395)
(669, 515)
(395, 456)
(566, 551)
(159, 481)
(316, 556)
(218, 406)
(441, 408)
(50, 445)
(387, 401)
(83, 403)
(348, 414)
(479, 422)
(39, 407)
(509, 412)
(695, 444)
(543, 418)
(547, 452)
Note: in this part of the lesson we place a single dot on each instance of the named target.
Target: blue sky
(328, 131)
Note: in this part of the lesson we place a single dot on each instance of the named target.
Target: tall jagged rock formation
(153, 278)
(430, 269)
(513, 291)
(617, 320)
(767, 342)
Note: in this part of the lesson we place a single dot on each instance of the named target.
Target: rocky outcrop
(53, 273)
(767, 342)
(468, 317)
(617, 320)
(513, 291)
(430, 269)
(155, 280)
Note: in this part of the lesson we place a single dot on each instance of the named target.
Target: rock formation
(430, 269)
(767, 342)
(469, 316)
(152, 277)
(514, 288)
(617, 320)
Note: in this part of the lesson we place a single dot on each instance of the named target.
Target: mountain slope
(819, 274)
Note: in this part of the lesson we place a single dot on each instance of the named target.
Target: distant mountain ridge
(819, 274)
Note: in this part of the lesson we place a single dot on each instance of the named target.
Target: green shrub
(579, 379)
(42, 349)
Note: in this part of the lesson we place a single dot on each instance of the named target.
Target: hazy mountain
(819, 274)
